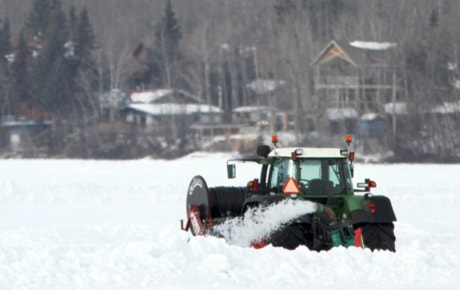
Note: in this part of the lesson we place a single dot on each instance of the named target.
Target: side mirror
(231, 171)
(367, 184)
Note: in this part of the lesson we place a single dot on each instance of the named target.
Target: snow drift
(115, 225)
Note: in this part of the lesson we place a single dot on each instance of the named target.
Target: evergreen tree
(167, 35)
(72, 22)
(62, 44)
(5, 57)
(153, 73)
(81, 35)
(37, 20)
(5, 44)
(81, 63)
(71, 60)
(19, 72)
(85, 37)
(49, 71)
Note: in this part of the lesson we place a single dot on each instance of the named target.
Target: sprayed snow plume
(259, 222)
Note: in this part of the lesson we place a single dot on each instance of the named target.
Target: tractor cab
(313, 175)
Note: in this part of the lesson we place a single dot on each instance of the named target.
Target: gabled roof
(331, 51)
(357, 53)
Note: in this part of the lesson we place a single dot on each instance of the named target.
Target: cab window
(281, 169)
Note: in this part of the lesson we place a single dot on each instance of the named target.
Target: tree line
(66, 51)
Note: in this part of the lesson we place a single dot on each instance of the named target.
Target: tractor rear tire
(301, 234)
(379, 236)
(292, 236)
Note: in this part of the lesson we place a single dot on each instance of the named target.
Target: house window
(204, 118)
(143, 119)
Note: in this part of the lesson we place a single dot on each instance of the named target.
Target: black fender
(374, 209)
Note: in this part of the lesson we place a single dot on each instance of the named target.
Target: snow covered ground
(115, 225)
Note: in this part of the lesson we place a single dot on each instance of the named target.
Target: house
(355, 78)
(21, 130)
(168, 111)
(252, 115)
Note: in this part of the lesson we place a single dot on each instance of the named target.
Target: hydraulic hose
(320, 208)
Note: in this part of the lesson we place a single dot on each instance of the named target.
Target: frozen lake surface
(72, 224)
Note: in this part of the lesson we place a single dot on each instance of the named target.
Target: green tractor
(320, 176)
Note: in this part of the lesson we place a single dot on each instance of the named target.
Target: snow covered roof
(372, 45)
(308, 152)
(12, 121)
(174, 109)
(23, 123)
(250, 109)
(263, 86)
(447, 108)
(371, 116)
(155, 96)
(335, 114)
(149, 96)
(399, 108)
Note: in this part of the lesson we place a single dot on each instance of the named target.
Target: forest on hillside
(194, 43)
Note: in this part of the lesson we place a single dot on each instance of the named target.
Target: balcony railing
(337, 81)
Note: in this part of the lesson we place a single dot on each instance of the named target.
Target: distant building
(21, 130)
(21, 134)
(355, 78)
(167, 110)
(251, 115)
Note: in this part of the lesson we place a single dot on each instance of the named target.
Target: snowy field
(115, 225)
